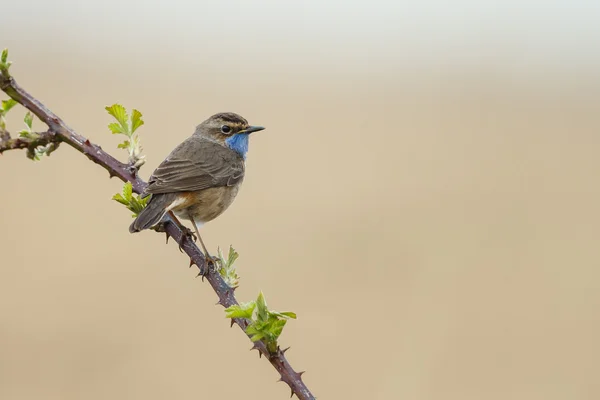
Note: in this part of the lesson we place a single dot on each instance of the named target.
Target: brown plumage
(197, 164)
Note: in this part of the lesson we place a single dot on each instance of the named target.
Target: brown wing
(196, 164)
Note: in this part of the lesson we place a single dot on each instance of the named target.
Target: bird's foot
(161, 227)
(211, 262)
(187, 234)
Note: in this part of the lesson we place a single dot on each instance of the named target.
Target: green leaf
(120, 114)
(127, 191)
(257, 337)
(267, 325)
(133, 202)
(39, 151)
(28, 119)
(136, 120)
(233, 255)
(243, 310)
(115, 128)
(138, 204)
(220, 257)
(262, 311)
(285, 314)
(4, 63)
(127, 127)
(254, 328)
(120, 199)
(226, 268)
(276, 327)
(7, 105)
(134, 205)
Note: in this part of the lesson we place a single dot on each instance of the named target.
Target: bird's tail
(153, 212)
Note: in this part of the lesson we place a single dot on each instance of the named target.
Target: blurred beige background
(426, 198)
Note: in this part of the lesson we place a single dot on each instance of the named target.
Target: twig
(60, 132)
(41, 139)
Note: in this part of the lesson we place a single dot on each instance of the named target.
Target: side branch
(60, 132)
(65, 134)
(30, 143)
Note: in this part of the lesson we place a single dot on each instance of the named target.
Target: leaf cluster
(5, 107)
(4, 63)
(226, 269)
(127, 126)
(28, 132)
(265, 325)
(35, 152)
(134, 203)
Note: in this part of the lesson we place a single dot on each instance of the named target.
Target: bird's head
(228, 129)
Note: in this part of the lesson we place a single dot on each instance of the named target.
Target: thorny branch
(60, 132)
(30, 143)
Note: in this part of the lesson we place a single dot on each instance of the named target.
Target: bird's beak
(251, 129)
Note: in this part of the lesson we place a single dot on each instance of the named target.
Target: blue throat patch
(239, 143)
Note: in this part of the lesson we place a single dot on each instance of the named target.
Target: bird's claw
(210, 262)
(186, 234)
(162, 227)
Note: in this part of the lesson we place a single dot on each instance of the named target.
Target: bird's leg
(209, 259)
(187, 233)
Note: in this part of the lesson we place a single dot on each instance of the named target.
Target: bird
(201, 177)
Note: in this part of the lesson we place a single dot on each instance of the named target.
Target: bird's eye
(225, 129)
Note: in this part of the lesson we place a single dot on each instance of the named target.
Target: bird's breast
(206, 205)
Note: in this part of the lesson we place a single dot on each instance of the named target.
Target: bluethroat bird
(201, 176)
